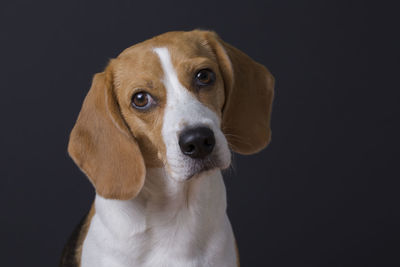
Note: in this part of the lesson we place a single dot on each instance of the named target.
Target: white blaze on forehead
(179, 98)
(183, 110)
(170, 79)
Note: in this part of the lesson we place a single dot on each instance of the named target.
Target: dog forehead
(139, 65)
(182, 46)
(192, 43)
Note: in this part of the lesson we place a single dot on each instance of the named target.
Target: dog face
(177, 101)
(174, 109)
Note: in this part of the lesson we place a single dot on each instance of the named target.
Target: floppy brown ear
(249, 91)
(102, 145)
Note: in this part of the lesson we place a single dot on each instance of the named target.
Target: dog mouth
(198, 167)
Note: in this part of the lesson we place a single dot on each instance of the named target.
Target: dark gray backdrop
(324, 193)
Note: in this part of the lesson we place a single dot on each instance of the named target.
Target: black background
(324, 193)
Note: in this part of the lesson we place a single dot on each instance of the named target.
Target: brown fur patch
(71, 256)
(249, 91)
(102, 145)
(237, 254)
(82, 236)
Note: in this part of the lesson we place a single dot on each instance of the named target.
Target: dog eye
(204, 77)
(142, 100)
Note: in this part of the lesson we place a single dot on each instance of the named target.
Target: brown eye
(142, 100)
(204, 77)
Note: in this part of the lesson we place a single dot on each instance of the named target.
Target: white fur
(170, 223)
(173, 221)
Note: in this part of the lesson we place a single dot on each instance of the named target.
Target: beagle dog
(155, 130)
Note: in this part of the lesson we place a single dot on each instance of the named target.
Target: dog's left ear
(249, 91)
(102, 145)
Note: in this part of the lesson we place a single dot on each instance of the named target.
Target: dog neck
(183, 220)
(162, 200)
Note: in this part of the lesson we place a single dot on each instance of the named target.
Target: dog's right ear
(102, 145)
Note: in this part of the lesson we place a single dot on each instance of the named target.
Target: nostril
(208, 142)
(190, 148)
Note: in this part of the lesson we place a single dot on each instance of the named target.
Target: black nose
(197, 142)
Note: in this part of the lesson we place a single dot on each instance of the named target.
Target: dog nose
(197, 142)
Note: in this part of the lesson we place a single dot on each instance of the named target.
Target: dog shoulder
(71, 255)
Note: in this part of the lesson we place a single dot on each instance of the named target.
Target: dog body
(153, 135)
(172, 224)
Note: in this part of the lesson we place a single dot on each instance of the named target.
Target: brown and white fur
(154, 205)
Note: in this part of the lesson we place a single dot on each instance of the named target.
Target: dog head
(180, 101)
